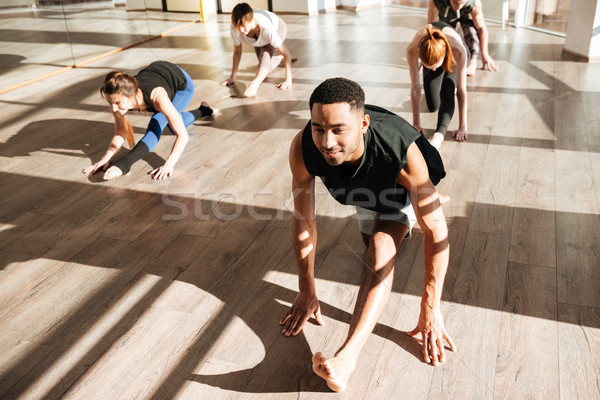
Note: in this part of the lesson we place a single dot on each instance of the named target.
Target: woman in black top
(162, 88)
(440, 50)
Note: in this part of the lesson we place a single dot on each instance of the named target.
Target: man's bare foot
(472, 67)
(251, 90)
(436, 140)
(112, 173)
(336, 371)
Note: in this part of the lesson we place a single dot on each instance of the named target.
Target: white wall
(17, 3)
(227, 5)
(495, 10)
(210, 7)
(181, 5)
(299, 6)
(358, 4)
(594, 52)
(327, 5)
(154, 5)
(134, 5)
(583, 30)
(303, 6)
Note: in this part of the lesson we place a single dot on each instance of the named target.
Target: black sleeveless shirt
(449, 15)
(160, 73)
(374, 183)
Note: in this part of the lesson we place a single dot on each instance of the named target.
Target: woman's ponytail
(128, 131)
(122, 84)
(434, 46)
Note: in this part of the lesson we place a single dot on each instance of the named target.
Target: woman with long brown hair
(162, 88)
(442, 54)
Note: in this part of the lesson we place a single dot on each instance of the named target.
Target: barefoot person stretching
(266, 32)
(440, 52)
(472, 23)
(373, 159)
(161, 88)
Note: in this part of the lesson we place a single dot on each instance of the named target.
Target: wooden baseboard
(292, 13)
(324, 11)
(575, 56)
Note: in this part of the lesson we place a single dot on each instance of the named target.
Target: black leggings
(439, 89)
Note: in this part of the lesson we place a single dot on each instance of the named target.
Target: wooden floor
(136, 289)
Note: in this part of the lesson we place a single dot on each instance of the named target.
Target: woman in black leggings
(444, 58)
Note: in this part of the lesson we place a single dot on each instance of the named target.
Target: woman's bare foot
(436, 140)
(472, 67)
(336, 371)
(112, 173)
(444, 198)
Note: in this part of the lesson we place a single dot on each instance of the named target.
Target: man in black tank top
(470, 15)
(373, 159)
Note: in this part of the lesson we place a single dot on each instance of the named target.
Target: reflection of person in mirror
(162, 88)
(373, 159)
(443, 57)
(474, 30)
(266, 32)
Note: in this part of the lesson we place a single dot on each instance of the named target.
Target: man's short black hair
(241, 13)
(339, 90)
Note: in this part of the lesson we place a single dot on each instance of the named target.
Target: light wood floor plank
(533, 237)
(577, 237)
(536, 180)
(12, 347)
(493, 211)
(473, 320)
(470, 372)
(579, 341)
(576, 193)
(529, 335)
(596, 171)
(401, 359)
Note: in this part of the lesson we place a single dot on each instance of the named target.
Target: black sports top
(374, 183)
(160, 73)
(441, 25)
(448, 14)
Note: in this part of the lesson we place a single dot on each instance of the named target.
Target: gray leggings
(265, 53)
(470, 35)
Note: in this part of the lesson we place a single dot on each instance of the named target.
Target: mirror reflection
(73, 32)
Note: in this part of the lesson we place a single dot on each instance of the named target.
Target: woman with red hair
(442, 54)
